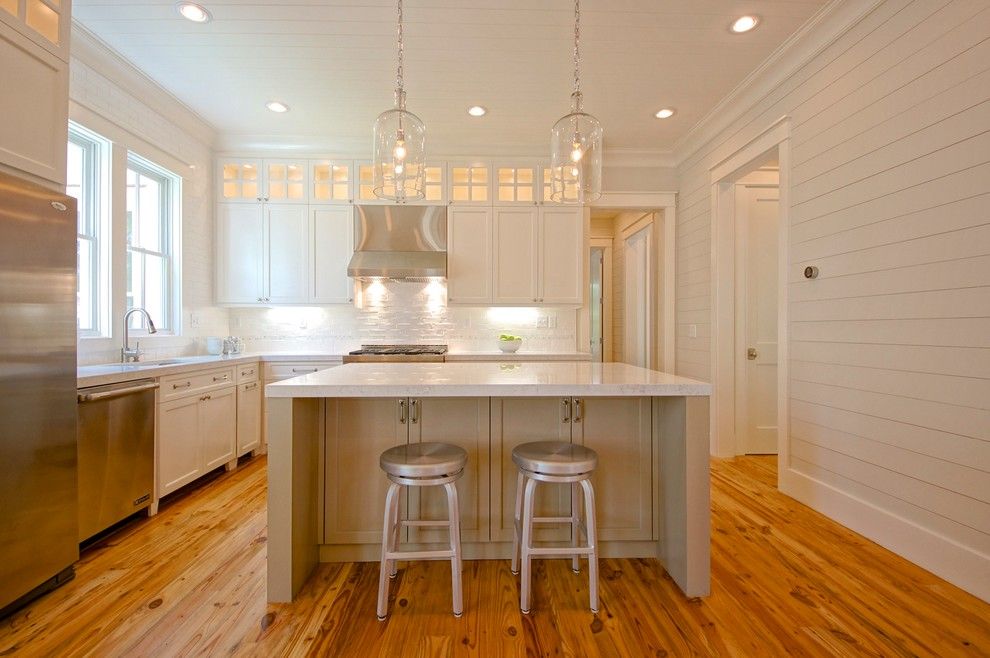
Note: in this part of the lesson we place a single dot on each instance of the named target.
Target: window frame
(94, 203)
(169, 224)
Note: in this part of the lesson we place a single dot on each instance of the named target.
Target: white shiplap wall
(889, 367)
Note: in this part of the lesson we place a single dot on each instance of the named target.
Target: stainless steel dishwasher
(116, 450)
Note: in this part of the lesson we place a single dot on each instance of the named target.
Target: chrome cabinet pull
(250, 387)
(186, 385)
(221, 379)
(577, 410)
(304, 370)
(567, 410)
(245, 373)
(402, 411)
(205, 398)
(414, 411)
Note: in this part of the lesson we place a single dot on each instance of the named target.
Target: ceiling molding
(97, 54)
(817, 34)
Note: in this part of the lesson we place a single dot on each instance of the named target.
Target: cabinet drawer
(285, 370)
(247, 372)
(177, 386)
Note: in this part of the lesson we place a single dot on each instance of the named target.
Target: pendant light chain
(399, 91)
(577, 46)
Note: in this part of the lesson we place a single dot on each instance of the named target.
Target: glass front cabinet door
(240, 180)
(331, 181)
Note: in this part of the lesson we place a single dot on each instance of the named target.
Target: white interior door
(757, 212)
(637, 299)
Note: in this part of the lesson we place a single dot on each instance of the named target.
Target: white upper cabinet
(34, 78)
(250, 180)
(516, 239)
(287, 263)
(286, 181)
(516, 183)
(469, 255)
(561, 254)
(240, 253)
(331, 247)
(331, 181)
(469, 183)
(240, 180)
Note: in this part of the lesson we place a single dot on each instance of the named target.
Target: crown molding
(818, 33)
(92, 51)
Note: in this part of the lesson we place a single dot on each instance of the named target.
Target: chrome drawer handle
(251, 386)
(186, 385)
(304, 370)
(221, 379)
(205, 398)
(245, 373)
(567, 409)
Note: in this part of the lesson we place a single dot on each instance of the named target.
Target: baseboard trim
(963, 567)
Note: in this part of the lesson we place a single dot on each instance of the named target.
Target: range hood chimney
(399, 242)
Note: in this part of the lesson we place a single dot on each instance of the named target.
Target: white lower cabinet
(196, 433)
(248, 417)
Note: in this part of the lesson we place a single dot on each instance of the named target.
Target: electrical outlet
(542, 322)
(194, 319)
(692, 331)
(552, 321)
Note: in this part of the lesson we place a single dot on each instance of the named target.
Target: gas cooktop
(401, 349)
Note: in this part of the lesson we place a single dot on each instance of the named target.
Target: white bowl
(509, 346)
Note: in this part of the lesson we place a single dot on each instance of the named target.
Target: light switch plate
(692, 331)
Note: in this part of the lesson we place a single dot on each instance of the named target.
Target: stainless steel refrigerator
(38, 509)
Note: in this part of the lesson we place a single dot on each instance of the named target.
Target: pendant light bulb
(576, 142)
(400, 149)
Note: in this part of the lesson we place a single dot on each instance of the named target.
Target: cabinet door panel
(620, 431)
(287, 235)
(562, 255)
(516, 240)
(240, 251)
(332, 245)
(358, 430)
(239, 180)
(218, 427)
(286, 181)
(462, 422)
(248, 417)
(516, 421)
(180, 457)
(469, 255)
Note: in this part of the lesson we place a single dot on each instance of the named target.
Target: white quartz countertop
(498, 355)
(529, 379)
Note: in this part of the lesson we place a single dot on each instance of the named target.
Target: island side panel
(294, 435)
(685, 493)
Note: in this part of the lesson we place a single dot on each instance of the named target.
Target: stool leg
(575, 527)
(516, 520)
(393, 565)
(527, 545)
(591, 524)
(454, 518)
(391, 498)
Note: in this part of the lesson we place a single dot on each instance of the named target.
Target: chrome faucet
(126, 353)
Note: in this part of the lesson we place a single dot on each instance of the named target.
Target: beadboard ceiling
(333, 63)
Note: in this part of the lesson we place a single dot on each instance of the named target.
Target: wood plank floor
(786, 581)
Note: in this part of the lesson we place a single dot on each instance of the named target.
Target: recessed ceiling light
(195, 13)
(665, 113)
(277, 106)
(745, 24)
(477, 111)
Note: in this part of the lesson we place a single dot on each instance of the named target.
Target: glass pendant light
(576, 143)
(400, 145)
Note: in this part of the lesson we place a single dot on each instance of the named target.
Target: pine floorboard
(785, 581)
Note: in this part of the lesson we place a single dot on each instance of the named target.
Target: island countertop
(357, 380)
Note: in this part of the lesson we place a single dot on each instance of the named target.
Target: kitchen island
(326, 430)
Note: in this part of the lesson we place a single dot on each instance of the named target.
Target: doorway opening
(749, 298)
(631, 287)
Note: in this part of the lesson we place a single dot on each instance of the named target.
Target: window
(85, 180)
(151, 213)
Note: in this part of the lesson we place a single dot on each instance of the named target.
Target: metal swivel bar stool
(554, 462)
(421, 465)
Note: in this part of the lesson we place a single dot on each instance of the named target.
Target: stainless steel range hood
(399, 242)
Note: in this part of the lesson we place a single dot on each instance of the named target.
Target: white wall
(890, 347)
(112, 98)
